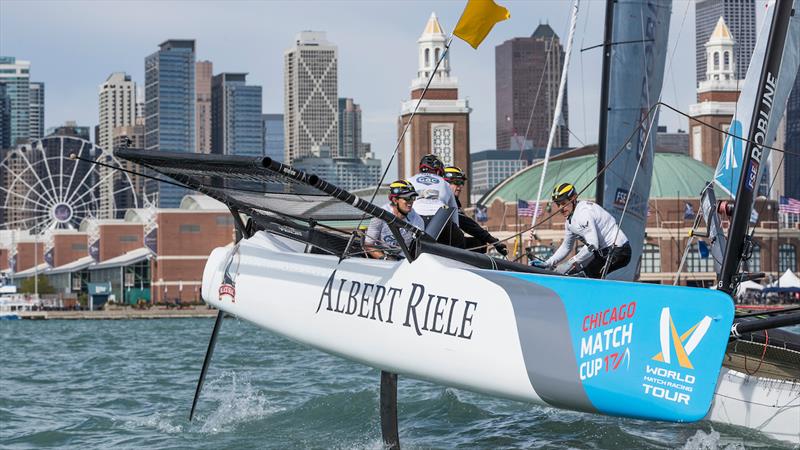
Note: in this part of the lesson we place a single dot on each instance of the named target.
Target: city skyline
(376, 45)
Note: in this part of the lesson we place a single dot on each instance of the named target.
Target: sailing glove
(500, 247)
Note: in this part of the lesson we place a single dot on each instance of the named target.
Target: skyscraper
(169, 106)
(5, 118)
(311, 113)
(37, 110)
(273, 135)
(792, 163)
(203, 74)
(350, 144)
(235, 116)
(740, 16)
(117, 107)
(15, 76)
(527, 77)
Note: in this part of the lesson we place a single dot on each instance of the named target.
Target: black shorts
(617, 257)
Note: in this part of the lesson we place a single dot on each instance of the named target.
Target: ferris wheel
(42, 188)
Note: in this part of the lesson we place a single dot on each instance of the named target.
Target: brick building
(677, 182)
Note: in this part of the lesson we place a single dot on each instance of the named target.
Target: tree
(28, 286)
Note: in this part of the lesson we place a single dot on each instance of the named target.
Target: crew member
(435, 194)
(379, 241)
(604, 243)
(456, 178)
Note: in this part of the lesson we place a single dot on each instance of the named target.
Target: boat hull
(580, 344)
(771, 406)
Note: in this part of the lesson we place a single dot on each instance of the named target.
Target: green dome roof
(674, 175)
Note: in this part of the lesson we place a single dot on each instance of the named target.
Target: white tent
(789, 279)
(747, 286)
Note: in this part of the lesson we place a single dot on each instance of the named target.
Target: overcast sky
(74, 45)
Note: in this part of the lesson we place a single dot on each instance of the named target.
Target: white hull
(517, 336)
(763, 404)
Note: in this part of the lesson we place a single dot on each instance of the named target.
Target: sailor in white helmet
(604, 243)
(434, 194)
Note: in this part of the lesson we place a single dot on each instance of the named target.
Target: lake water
(129, 384)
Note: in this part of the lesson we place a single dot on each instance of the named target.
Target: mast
(603, 132)
(757, 134)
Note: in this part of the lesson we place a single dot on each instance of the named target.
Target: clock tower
(441, 124)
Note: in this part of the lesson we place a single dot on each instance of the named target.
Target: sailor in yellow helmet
(379, 242)
(456, 178)
(604, 243)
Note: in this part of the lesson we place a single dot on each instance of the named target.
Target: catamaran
(489, 325)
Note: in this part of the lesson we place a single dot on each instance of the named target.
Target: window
(651, 259)
(437, 55)
(129, 238)
(726, 60)
(716, 60)
(694, 263)
(427, 57)
(754, 263)
(224, 220)
(697, 143)
(787, 258)
(442, 142)
(190, 228)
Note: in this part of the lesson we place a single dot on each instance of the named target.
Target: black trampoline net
(243, 183)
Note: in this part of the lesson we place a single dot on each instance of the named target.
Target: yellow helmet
(564, 192)
(402, 189)
(454, 175)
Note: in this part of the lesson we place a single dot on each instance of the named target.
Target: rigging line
(403, 134)
(769, 192)
(636, 41)
(599, 172)
(628, 198)
(143, 175)
(643, 150)
(708, 125)
(677, 39)
(559, 104)
(536, 98)
(583, 89)
(686, 249)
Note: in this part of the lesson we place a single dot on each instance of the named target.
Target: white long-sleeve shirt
(594, 226)
(434, 193)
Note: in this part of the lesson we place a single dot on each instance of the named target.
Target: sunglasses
(456, 182)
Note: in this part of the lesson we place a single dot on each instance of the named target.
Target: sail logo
(684, 344)
(728, 168)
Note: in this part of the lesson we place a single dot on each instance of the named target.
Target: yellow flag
(478, 19)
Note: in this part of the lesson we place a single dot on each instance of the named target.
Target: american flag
(525, 208)
(789, 205)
